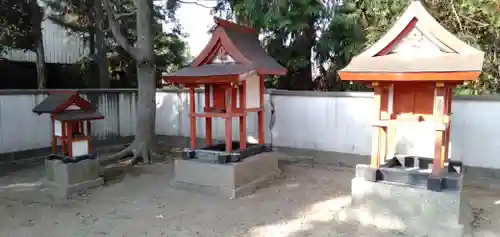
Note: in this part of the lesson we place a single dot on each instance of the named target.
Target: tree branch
(456, 15)
(120, 15)
(115, 29)
(197, 3)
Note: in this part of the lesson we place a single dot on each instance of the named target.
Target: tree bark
(101, 48)
(40, 64)
(143, 52)
(39, 49)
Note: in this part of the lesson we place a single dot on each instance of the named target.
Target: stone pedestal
(413, 210)
(230, 179)
(64, 178)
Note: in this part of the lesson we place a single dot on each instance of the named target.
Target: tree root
(136, 153)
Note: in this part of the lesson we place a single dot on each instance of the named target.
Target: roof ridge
(234, 26)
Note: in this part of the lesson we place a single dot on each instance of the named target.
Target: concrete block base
(412, 210)
(63, 179)
(231, 179)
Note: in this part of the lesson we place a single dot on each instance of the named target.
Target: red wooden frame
(420, 96)
(68, 128)
(221, 92)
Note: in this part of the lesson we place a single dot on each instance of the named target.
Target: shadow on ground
(307, 201)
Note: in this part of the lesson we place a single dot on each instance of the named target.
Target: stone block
(415, 211)
(230, 179)
(367, 173)
(64, 179)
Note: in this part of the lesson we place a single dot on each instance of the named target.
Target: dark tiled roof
(78, 115)
(213, 70)
(50, 103)
(249, 45)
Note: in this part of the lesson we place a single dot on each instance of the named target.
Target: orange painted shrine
(71, 117)
(231, 70)
(413, 69)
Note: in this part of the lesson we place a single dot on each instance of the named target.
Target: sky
(196, 21)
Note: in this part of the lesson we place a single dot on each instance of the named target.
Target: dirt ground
(303, 203)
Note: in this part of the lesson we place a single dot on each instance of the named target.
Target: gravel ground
(303, 203)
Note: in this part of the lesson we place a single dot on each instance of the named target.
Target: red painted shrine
(71, 117)
(413, 69)
(231, 69)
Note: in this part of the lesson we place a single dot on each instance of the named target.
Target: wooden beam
(376, 131)
(243, 119)
(409, 76)
(439, 143)
(192, 119)
(260, 114)
(208, 120)
(54, 138)
(448, 100)
(228, 121)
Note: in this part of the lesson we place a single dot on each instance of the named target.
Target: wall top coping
(268, 91)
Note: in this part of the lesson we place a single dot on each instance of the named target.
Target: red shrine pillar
(54, 138)
(228, 119)
(208, 120)
(379, 131)
(440, 134)
(243, 118)
(260, 114)
(192, 117)
(448, 99)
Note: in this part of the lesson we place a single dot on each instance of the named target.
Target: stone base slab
(414, 211)
(230, 180)
(64, 179)
(58, 191)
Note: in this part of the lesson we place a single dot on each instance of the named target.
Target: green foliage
(17, 21)
(345, 28)
(289, 33)
(79, 17)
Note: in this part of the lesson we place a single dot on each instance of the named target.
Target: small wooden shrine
(231, 69)
(71, 117)
(413, 69)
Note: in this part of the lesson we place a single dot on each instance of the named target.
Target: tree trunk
(39, 49)
(146, 110)
(101, 49)
(40, 64)
(92, 73)
(145, 137)
(146, 80)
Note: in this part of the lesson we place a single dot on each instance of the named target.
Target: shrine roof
(59, 101)
(78, 115)
(241, 45)
(417, 43)
(207, 70)
(249, 45)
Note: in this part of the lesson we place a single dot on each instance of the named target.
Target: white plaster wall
(253, 92)
(326, 121)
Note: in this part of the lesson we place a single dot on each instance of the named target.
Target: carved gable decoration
(416, 43)
(222, 57)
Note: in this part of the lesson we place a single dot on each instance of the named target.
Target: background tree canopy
(312, 38)
(323, 36)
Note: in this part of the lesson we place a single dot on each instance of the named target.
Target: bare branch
(115, 29)
(456, 15)
(197, 3)
(120, 15)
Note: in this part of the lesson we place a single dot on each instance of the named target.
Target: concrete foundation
(412, 210)
(64, 179)
(231, 179)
